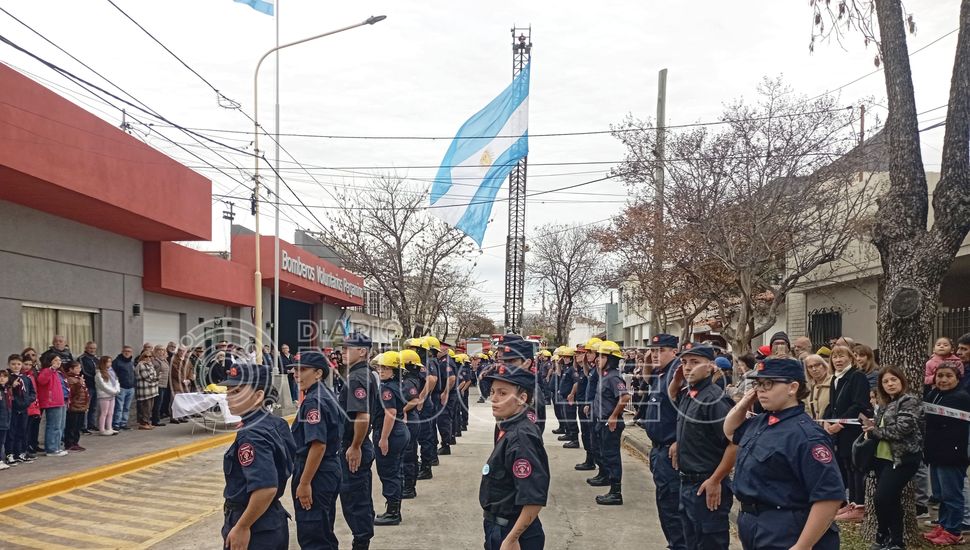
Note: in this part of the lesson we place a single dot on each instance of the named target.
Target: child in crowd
(77, 408)
(30, 369)
(5, 406)
(107, 387)
(945, 450)
(942, 352)
(23, 396)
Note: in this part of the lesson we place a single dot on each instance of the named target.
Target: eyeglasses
(768, 383)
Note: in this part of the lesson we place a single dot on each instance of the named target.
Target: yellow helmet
(416, 343)
(451, 353)
(410, 357)
(593, 343)
(609, 348)
(545, 353)
(555, 357)
(430, 342)
(482, 356)
(566, 351)
(462, 358)
(390, 359)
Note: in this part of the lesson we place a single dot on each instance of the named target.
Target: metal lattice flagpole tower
(515, 242)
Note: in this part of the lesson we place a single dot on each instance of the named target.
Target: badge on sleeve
(412, 391)
(387, 395)
(313, 416)
(360, 393)
(621, 386)
(246, 454)
(522, 468)
(822, 453)
(531, 416)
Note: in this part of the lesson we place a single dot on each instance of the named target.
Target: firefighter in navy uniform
(611, 399)
(702, 454)
(659, 419)
(592, 384)
(411, 390)
(465, 378)
(318, 430)
(515, 479)
(391, 437)
(785, 476)
(583, 369)
(358, 399)
(566, 400)
(447, 397)
(257, 465)
(427, 439)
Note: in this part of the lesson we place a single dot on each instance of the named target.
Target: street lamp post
(258, 313)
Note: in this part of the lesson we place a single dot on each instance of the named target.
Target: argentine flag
(486, 149)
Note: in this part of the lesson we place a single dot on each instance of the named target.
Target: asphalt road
(446, 513)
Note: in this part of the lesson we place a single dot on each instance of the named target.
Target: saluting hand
(305, 495)
(238, 538)
(712, 489)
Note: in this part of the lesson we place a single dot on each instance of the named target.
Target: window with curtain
(41, 324)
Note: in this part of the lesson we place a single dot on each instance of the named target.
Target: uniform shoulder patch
(531, 416)
(246, 454)
(360, 393)
(412, 391)
(621, 386)
(522, 468)
(387, 395)
(822, 453)
(313, 416)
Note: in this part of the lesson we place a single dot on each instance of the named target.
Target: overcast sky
(432, 63)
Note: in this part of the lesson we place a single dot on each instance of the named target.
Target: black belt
(228, 506)
(499, 520)
(754, 507)
(692, 477)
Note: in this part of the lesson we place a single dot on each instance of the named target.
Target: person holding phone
(849, 397)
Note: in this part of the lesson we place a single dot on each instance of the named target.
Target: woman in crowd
(107, 387)
(848, 399)
(946, 452)
(146, 389)
(865, 360)
(163, 400)
(50, 395)
(181, 376)
(897, 427)
(819, 384)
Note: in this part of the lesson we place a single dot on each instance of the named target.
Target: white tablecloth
(186, 404)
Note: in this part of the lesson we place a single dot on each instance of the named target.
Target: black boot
(588, 464)
(425, 471)
(613, 498)
(435, 462)
(361, 544)
(392, 515)
(564, 437)
(409, 491)
(559, 431)
(571, 444)
(452, 441)
(599, 481)
(458, 433)
(445, 450)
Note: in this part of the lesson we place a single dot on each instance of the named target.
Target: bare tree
(915, 254)
(384, 233)
(567, 260)
(761, 200)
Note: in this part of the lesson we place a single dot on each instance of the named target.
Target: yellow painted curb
(44, 489)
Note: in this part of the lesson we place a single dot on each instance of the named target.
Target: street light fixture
(258, 313)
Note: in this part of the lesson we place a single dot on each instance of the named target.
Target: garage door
(161, 327)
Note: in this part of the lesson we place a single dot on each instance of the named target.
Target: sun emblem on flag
(486, 158)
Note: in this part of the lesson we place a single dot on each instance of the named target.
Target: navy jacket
(125, 369)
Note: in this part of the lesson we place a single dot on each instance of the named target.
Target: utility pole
(658, 240)
(515, 242)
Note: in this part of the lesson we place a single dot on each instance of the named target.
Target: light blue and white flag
(259, 5)
(486, 149)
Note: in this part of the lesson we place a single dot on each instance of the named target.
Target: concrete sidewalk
(106, 450)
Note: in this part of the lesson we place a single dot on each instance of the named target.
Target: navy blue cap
(357, 340)
(664, 341)
(517, 348)
(522, 377)
(702, 350)
(247, 374)
(311, 360)
(723, 363)
(779, 367)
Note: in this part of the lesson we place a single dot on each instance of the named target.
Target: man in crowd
(124, 367)
(802, 346)
(89, 367)
(58, 348)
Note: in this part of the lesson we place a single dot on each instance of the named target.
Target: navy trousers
(704, 529)
(390, 467)
(534, 538)
(314, 527)
(428, 439)
(585, 428)
(17, 435)
(610, 455)
(409, 459)
(444, 420)
(667, 483)
(779, 530)
(594, 440)
(356, 499)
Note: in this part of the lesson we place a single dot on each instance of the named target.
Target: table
(188, 404)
